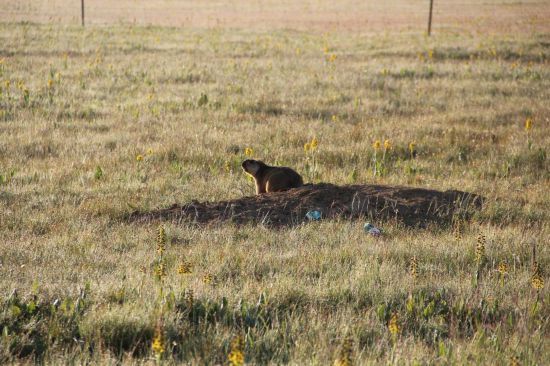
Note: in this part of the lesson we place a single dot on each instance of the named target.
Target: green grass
(189, 102)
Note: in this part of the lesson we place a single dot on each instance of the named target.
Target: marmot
(271, 178)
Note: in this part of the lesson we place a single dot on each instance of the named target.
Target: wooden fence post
(429, 18)
(82, 11)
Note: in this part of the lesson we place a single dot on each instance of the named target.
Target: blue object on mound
(313, 215)
(371, 229)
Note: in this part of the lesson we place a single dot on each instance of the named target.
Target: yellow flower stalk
(537, 281)
(236, 356)
(158, 342)
(413, 268)
(528, 124)
(412, 148)
(185, 268)
(393, 326)
(161, 240)
(345, 356)
(502, 270)
(314, 143)
(480, 248)
(160, 271)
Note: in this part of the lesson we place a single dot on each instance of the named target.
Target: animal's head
(252, 166)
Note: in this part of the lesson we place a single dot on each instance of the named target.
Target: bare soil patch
(412, 206)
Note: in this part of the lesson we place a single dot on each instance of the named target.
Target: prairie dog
(271, 178)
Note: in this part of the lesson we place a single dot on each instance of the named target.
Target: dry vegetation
(98, 122)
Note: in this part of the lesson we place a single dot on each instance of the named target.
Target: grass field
(98, 122)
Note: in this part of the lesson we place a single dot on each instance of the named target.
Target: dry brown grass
(319, 15)
(85, 277)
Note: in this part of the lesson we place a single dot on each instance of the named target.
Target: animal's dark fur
(271, 178)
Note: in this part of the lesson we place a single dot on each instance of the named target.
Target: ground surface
(411, 206)
(100, 122)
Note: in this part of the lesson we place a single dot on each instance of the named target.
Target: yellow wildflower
(314, 143)
(248, 152)
(189, 298)
(502, 268)
(393, 326)
(387, 145)
(160, 271)
(236, 356)
(376, 145)
(480, 248)
(185, 268)
(457, 229)
(50, 83)
(537, 281)
(528, 124)
(139, 157)
(161, 240)
(158, 342)
(307, 147)
(345, 356)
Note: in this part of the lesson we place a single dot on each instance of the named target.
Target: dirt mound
(413, 206)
